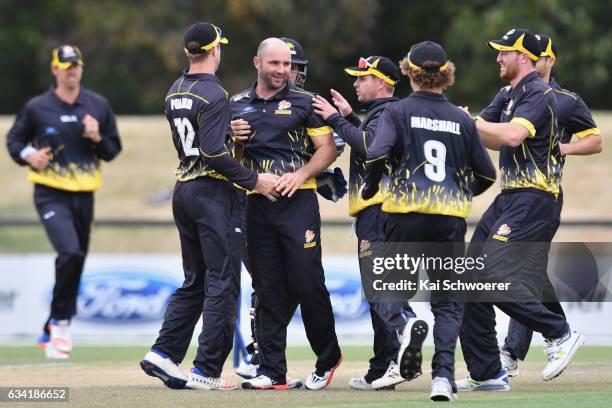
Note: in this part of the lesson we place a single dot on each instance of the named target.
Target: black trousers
(424, 228)
(293, 302)
(518, 340)
(284, 244)
(387, 317)
(529, 215)
(67, 218)
(206, 212)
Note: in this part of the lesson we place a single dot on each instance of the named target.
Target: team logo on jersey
(502, 233)
(364, 248)
(309, 236)
(248, 109)
(283, 108)
(50, 130)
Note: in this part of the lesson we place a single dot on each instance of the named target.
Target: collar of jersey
(280, 95)
(79, 99)
(553, 84)
(379, 101)
(200, 77)
(532, 76)
(429, 95)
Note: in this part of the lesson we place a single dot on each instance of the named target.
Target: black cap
(297, 52)
(381, 67)
(518, 39)
(65, 56)
(206, 35)
(547, 47)
(429, 56)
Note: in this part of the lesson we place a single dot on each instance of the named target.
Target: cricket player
(375, 80)
(438, 163)
(62, 135)
(574, 119)
(330, 184)
(206, 211)
(524, 129)
(283, 237)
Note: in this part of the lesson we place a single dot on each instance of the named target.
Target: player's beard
(509, 71)
(272, 83)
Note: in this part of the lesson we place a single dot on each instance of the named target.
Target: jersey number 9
(435, 154)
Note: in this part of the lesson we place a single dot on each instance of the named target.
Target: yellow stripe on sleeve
(320, 131)
(526, 124)
(588, 132)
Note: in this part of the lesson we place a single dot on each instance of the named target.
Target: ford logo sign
(124, 297)
(345, 296)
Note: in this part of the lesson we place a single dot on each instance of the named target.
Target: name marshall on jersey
(435, 125)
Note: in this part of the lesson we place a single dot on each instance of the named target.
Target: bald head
(273, 63)
(273, 45)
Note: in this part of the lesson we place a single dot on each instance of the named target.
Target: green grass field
(111, 377)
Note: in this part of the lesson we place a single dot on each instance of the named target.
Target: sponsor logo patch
(309, 236)
(68, 118)
(48, 215)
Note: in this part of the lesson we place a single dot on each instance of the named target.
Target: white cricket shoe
(410, 357)
(199, 381)
(59, 333)
(55, 354)
(247, 370)
(44, 343)
(360, 383)
(560, 353)
(442, 390)
(262, 382)
(508, 363)
(293, 383)
(391, 377)
(318, 381)
(497, 383)
(165, 369)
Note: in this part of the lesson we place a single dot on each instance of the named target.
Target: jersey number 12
(435, 154)
(187, 134)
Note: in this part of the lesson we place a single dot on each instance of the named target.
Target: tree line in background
(133, 50)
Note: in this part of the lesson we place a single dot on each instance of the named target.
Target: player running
(574, 118)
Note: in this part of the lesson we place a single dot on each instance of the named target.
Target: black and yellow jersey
(48, 121)
(281, 128)
(535, 163)
(573, 115)
(435, 154)
(197, 109)
(359, 135)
